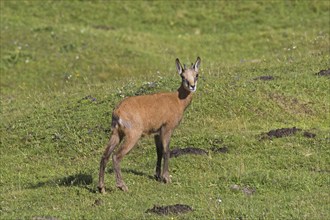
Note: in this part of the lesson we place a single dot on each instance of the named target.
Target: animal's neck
(184, 96)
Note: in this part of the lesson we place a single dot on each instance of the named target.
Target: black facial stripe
(185, 81)
(196, 78)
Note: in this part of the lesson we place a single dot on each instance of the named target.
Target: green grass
(65, 64)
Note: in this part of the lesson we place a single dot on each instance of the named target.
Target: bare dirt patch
(291, 104)
(188, 150)
(170, 210)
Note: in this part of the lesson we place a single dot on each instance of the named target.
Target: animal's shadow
(83, 180)
(135, 172)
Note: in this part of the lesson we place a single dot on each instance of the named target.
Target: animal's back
(150, 112)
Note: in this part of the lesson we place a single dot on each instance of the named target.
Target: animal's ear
(197, 63)
(178, 66)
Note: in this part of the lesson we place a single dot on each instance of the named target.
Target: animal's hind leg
(128, 144)
(113, 142)
(159, 148)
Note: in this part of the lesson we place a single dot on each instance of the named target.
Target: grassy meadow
(65, 64)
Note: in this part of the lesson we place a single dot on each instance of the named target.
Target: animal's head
(189, 75)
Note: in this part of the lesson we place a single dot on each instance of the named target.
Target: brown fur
(157, 114)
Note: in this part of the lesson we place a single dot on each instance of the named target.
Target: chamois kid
(157, 114)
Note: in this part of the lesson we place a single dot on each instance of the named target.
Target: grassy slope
(65, 64)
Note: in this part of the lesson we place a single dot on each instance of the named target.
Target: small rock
(235, 187)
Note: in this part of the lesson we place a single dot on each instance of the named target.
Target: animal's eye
(197, 75)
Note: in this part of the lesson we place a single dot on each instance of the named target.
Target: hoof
(166, 179)
(158, 178)
(123, 187)
(101, 190)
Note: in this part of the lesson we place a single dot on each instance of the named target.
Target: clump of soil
(223, 149)
(324, 73)
(264, 78)
(281, 132)
(189, 150)
(171, 209)
(309, 134)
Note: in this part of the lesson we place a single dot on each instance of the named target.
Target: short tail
(118, 121)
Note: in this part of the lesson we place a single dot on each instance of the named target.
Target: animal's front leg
(166, 136)
(159, 148)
